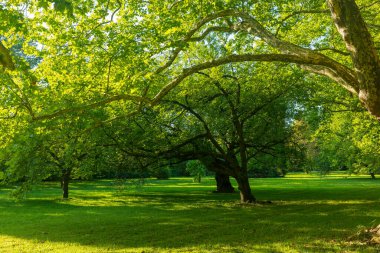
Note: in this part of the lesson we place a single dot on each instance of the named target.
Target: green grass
(308, 214)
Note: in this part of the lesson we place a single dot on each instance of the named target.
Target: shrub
(161, 173)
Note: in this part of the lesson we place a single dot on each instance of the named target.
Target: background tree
(330, 129)
(196, 169)
(51, 151)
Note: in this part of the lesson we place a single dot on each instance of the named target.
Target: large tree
(58, 151)
(129, 55)
(223, 120)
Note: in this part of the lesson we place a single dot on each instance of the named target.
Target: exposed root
(367, 235)
(257, 203)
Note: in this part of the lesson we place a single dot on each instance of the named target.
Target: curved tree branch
(340, 73)
(326, 64)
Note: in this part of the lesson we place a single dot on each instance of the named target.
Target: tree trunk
(359, 42)
(197, 178)
(372, 175)
(246, 195)
(65, 184)
(223, 184)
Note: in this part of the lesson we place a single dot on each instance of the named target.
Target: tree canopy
(241, 79)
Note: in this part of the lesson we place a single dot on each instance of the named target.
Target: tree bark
(246, 195)
(353, 30)
(372, 174)
(223, 184)
(65, 184)
(222, 175)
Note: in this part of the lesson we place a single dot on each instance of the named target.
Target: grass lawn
(308, 214)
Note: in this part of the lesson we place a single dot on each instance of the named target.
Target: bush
(266, 172)
(161, 173)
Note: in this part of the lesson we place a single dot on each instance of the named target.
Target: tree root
(369, 236)
(257, 202)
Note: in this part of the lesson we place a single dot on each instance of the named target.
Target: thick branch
(252, 26)
(318, 61)
(358, 40)
(325, 71)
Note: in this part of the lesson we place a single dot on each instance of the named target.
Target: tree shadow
(177, 221)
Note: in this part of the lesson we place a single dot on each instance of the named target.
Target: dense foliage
(114, 88)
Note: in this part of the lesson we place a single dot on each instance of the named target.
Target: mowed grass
(308, 214)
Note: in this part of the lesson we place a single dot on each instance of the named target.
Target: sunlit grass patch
(316, 174)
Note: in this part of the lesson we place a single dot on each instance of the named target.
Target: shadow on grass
(309, 221)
